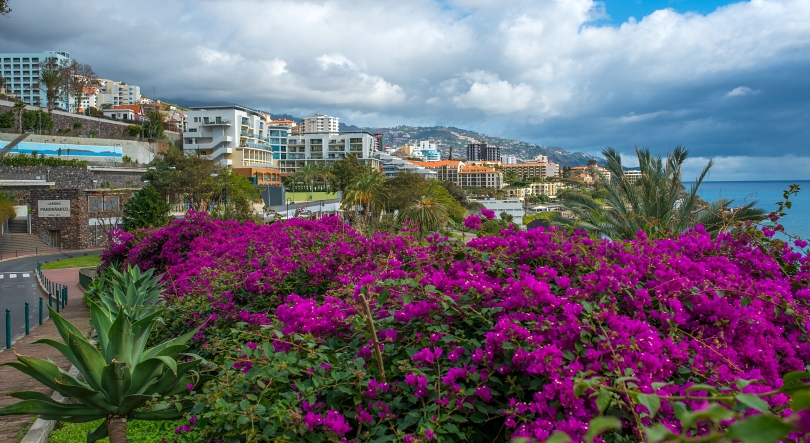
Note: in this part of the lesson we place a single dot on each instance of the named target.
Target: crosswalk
(14, 274)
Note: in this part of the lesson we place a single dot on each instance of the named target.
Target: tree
(428, 214)
(82, 77)
(366, 191)
(120, 376)
(344, 171)
(147, 208)
(4, 9)
(19, 108)
(51, 79)
(7, 204)
(36, 120)
(2, 82)
(174, 174)
(405, 189)
(7, 119)
(657, 204)
(233, 196)
(153, 126)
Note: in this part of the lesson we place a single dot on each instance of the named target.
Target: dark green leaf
(601, 424)
(651, 402)
(759, 429)
(753, 401)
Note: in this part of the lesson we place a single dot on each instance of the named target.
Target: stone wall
(76, 177)
(100, 127)
(70, 229)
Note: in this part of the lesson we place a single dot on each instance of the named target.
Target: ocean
(766, 194)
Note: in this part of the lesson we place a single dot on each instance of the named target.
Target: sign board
(53, 208)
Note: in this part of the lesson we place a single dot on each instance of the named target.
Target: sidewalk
(11, 255)
(14, 380)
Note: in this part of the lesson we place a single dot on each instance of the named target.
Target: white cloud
(740, 91)
(490, 94)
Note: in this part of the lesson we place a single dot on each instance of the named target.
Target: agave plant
(119, 377)
(137, 293)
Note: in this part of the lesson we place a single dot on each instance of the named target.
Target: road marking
(12, 276)
(1, 276)
(26, 275)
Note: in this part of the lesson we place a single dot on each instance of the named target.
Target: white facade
(324, 148)
(321, 123)
(117, 93)
(632, 176)
(508, 159)
(233, 135)
(393, 166)
(540, 158)
(512, 207)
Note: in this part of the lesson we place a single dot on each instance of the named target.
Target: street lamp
(287, 215)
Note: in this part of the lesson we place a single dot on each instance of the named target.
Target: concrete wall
(142, 151)
(101, 127)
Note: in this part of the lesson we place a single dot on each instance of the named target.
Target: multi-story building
(483, 152)
(540, 158)
(446, 170)
(393, 166)
(321, 123)
(22, 70)
(533, 170)
(508, 159)
(632, 176)
(476, 176)
(549, 189)
(512, 207)
(233, 135)
(326, 147)
(117, 93)
(588, 174)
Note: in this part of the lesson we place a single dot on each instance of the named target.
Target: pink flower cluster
(683, 310)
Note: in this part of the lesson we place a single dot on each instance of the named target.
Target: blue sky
(728, 80)
(621, 10)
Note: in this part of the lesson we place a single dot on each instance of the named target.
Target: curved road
(18, 284)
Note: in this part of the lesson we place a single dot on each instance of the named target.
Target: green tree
(657, 204)
(51, 79)
(183, 177)
(19, 108)
(7, 204)
(4, 9)
(36, 120)
(428, 214)
(405, 189)
(7, 119)
(344, 171)
(366, 191)
(120, 376)
(233, 196)
(144, 209)
(153, 126)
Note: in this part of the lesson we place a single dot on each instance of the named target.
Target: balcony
(217, 122)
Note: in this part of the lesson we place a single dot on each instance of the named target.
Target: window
(93, 203)
(111, 202)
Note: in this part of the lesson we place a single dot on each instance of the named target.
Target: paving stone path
(14, 380)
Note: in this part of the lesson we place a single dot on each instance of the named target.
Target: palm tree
(428, 214)
(19, 108)
(657, 204)
(310, 173)
(367, 190)
(51, 79)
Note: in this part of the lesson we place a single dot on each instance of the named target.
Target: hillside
(457, 139)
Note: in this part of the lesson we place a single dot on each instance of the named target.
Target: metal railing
(46, 238)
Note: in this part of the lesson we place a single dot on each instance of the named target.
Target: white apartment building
(321, 123)
(511, 206)
(508, 159)
(327, 147)
(234, 136)
(549, 189)
(540, 158)
(393, 166)
(117, 93)
(632, 176)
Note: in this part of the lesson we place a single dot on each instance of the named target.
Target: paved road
(18, 285)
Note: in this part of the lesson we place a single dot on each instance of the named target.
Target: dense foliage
(146, 208)
(34, 159)
(319, 333)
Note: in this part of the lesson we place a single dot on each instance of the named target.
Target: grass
(303, 196)
(137, 431)
(21, 433)
(85, 261)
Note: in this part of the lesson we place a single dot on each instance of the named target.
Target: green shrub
(137, 431)
(37, 160)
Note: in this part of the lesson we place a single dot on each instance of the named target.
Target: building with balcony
(533, 170)
(446, 170)
(477, 176)
(321, 123)
(22, 70)
(115, 93)
(508, 159)
(325, 148)
(393, 166)
(483, 152)
(632, 176)
(234, 136)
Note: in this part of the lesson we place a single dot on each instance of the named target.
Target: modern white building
(393, 166)
(508, 159)
(321, 123)
(540, 158)
(632, 176)
(327, 147)
(21, 72)
(234, 136)
(512, 207)
(117, 93)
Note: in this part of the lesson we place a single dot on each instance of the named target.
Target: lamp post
(287, 215)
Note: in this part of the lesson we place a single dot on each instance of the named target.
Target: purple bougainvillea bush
(486, 341)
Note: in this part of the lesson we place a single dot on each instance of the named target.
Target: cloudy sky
(727, 79)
